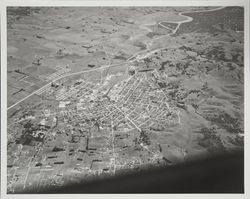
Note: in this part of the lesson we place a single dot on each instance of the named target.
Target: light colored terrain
(99, 91)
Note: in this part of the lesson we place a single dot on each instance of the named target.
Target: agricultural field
(97, 92)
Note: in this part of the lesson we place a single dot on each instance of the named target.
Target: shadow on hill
(221, 174)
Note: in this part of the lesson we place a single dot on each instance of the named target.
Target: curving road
(188, 19)
(182, 14)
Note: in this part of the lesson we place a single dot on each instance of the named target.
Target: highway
(188, 19)
(61, 77)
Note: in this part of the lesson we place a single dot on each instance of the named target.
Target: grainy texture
(95, 92)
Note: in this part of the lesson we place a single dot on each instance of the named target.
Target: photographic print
(97, 93)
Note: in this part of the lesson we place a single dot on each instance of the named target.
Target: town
(92, 129)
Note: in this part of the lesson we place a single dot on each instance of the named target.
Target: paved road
(188, 19)
(61, 77)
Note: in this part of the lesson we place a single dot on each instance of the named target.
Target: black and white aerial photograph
(124, 99)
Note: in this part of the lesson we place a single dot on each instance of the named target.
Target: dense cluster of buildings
(95, 129)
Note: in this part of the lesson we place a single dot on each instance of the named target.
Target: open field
(228, 18)
(95, 92)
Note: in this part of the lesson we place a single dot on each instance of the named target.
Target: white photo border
(59, 3)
